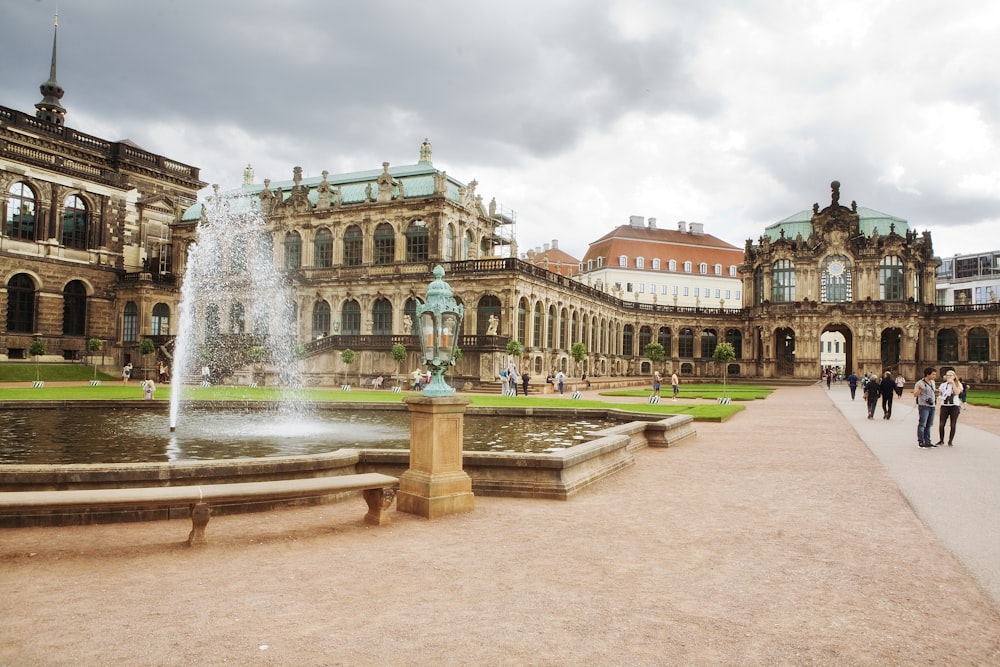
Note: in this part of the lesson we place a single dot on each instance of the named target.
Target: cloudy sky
(575, 114)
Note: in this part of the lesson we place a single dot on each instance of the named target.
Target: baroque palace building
(95, 234)
(85, 249)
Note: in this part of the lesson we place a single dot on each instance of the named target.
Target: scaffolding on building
(503, 233)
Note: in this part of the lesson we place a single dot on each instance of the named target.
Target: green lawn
(27, 371)
(116, 391)
(740, 392)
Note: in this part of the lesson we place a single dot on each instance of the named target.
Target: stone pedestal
(435, 484)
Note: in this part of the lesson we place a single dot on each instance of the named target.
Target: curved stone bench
(378, 490)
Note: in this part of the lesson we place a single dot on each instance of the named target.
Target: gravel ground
(776, 538)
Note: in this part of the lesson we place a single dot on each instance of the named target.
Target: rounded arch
(417, 241)
(709, 341)
(784, 350)
(384, 244)
(320, 319)
(522, 320)
(73, 225)
(22, 211)
(947, 345)
(74, 308)
(979, 344)
(161, 319)
(890, 345)
(353, 246)
(21, 303)
(735, 338)
(382, 317)
(834, 334)
(450, 243)
(350, 318)
(410, 310)
(323, 249)
(293, 250)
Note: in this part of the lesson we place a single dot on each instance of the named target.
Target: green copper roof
(868, 220)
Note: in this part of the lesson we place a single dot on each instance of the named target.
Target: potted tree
(579, 352)
(724, 353)
(398, 352)
(95, 345)
(146, 348)
(37, 349)
(348, 357)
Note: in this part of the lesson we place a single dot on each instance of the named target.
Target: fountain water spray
(236, 311)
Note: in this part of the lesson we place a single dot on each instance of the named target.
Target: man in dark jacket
(887, 388)
(852, 382)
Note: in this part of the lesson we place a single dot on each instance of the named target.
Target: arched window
(672, 265)
(536, 325)
(836, 280)
(74, 223)
(574, 332)
(640, 262)
(449, 242)
(628, 340)
(758, 286)
(687, 267)
(74, 308)
(384, 248)
(979, 344)
(382, 317)
(663, 338)
(130, 323)
(685, 343)
(213, 321)
(323, 249)
(416, 242)
(718, 269)
(703, 268)
(645, 338)
(550, 328)
(488, 305)
(890, 279)
(161, 319)
(350, 318)
(623, 261)
(947, 345)
(237, 318)
(21, 303)
(353, 246)
(467, 245)
(321, 319)
(735, 338)
(22, 208)
(522, 320)
(562, 342)
(709, 341)
(656, 264)
(293, 251)
(783, 281)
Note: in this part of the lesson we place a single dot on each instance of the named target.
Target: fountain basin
(550, 475)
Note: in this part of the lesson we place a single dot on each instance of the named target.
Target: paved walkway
(954, 490)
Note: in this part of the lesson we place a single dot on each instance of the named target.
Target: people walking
(126, 373)
(872, 393)
(923, 391)
(852, 383)
(524, 382)
(887, 387)
(560, 381)
(951, 405)
(900, 385)
(656, 383)
(675, 384)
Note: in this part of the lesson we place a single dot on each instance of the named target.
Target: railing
(358, 342)
(149, 277)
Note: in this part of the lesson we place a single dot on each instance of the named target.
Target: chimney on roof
(682, 226)
(697, 228)
(636, 221)
(545, 247)
(555, 244)
(651, 223)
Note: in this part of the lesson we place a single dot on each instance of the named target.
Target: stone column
(435, 484)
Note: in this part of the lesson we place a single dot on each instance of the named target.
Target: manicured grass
(740, 392)
(988, 398)
(116, 391)
(26, 371)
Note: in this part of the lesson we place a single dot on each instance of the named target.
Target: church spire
(49, 109)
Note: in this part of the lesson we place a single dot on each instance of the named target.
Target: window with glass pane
(947, 345)
(735, 338)
(21, 303)
(783, 281)
(536, 326)
(979, 344)
(627, 340)
(350, 318)
(74, 308)
(410, 308)
(21, 211)
(293, 250)
(161, 319)
(663, 338)
(130, 323)
(550, 327)
(213, 321)
(321, 319)
(522, 320)
(353, 246)
(74, 223)
(709, 341)
(384, 249)
(382, 318)
(323, 249)
(237, 318)
(890, 279)
(685, 343)
(449, 243)
(416, 242)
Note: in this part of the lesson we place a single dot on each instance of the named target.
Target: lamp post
(440, 319)
(435, 484)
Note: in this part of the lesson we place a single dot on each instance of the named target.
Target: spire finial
(49, 108)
